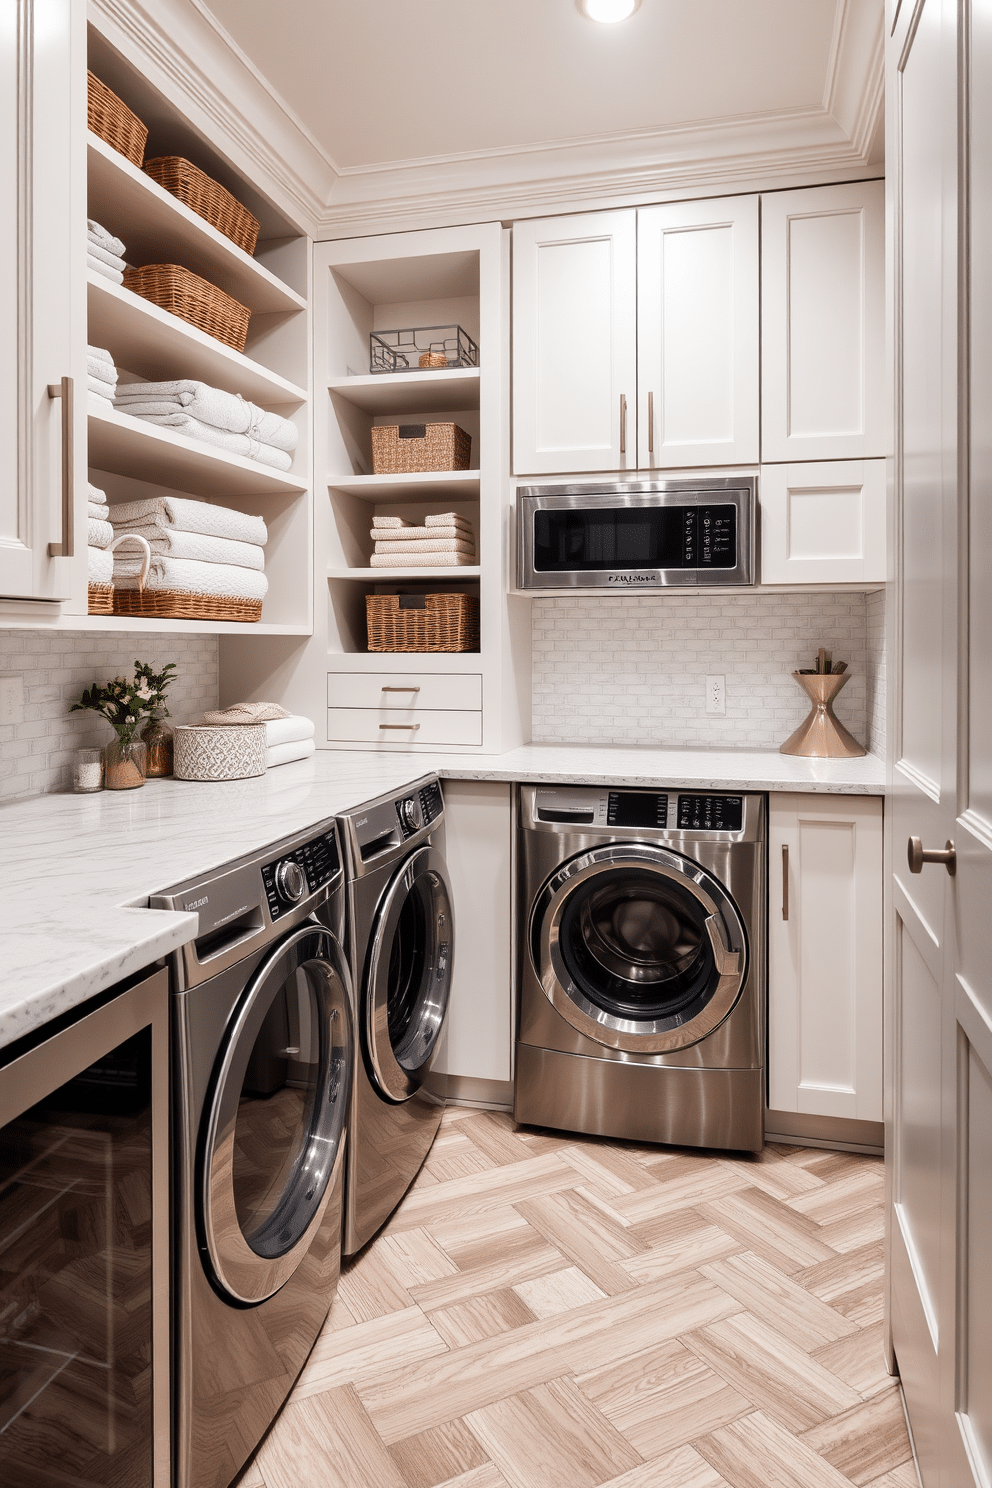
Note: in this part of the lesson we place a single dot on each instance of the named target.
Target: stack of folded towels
(99, 536)
(101, 375)
(202, 412)
(288, 736)
(446, 540)
(196, 548)
(104, 252)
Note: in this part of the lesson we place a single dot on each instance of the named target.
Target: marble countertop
(76, 871)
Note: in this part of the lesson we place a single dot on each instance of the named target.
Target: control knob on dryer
(408, 814)
(291, 881)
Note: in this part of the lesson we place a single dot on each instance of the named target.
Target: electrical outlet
(716, 695)
(11, 699)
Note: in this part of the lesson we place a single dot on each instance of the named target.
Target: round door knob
(408, 814)
(291, 881)
(918, 855)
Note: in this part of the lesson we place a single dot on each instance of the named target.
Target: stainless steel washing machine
(262, 1060)
(641, 964)
(400, 939)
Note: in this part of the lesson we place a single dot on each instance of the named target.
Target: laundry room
(493, 768)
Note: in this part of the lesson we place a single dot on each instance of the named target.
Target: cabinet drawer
(405, 690)
(389, 726)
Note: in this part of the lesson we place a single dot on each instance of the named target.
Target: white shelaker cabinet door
(697, 333)
(574, 344)
(825, 959)
(35, 274)
(823, 323)
(823, 522)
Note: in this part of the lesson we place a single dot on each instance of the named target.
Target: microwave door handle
(650, 423)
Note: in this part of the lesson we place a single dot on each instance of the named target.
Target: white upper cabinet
(823, 342)
(697, 333)
(574, 344)
(823, 522)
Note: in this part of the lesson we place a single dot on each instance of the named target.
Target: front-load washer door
(639, 948)
(408, 976)
(273, 1131)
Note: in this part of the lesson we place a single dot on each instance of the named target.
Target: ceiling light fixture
(608, 11)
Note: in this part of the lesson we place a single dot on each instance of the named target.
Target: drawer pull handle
(399, 725)
(401, 689)
(785, 881)
(64, 390)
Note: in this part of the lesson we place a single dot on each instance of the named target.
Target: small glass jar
(87, 770)
(157, 737)
(124, 765)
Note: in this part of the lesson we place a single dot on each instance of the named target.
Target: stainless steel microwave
(636, 535)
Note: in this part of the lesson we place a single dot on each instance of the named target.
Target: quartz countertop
(77, 871)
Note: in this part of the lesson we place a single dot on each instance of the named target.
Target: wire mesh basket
(422, 348)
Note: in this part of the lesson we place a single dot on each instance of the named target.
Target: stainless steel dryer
(400, 941)
(642, 964)
(262, 1068)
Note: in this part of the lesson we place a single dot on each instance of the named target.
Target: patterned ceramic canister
(203, 752)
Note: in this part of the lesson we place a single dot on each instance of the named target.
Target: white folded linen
(285, 754)
(99, 397)
(188, 577)
(94, 493)
(104, 372)
(228, 411)
(200, 547)
(100, 389)
(422, 534)
(447, 519)
(420, 560)
(235, 444)
(112, 260)
(188, 516)
(391, 522)
(96, 511)
(98, 233)
(444, 545)
(99, 566)
(114, 275)
(289, 730)
(98, 534)
(242, 713)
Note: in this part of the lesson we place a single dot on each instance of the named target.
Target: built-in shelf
(411, 392)
(129, 446)
(144, 339)
(155, 227)
(390, 575)
(187, 627)
(458, 485)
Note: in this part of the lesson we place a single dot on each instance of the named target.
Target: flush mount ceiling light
(608, 11)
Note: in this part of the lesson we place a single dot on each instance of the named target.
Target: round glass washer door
(639, 948)
(272, 1139)
(408, 975)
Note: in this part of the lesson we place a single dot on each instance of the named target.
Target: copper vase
(821, 735)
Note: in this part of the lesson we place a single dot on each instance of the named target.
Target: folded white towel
(198, 546)
(98, 397)
(285, 754)
(235, 444)
(97, 232)
(94, 493)
(98, 534)
(443, 545)
(420, 560)
(100, 389)
(114, 275)
(242, 713)
(189, 577)
(210, 405)
(104, 372)
(406, 535)
(100, 354)
(447, 519)
(188, 516)
(289, 730)
(391, 522)
(112, 260)
(99, 566)
(96, 511)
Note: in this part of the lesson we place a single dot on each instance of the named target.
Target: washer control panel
(711, 813)
(638, 810)
(419, 809)
(303, 871)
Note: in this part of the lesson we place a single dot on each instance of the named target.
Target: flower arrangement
(123, 704)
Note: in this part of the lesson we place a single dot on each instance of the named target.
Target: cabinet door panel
(823, 522)
(697, 346)
(822, 308)
(574, 343)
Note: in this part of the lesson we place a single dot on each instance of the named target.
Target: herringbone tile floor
(547, 1311)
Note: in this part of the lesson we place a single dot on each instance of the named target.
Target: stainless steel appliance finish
(263, 1055)
(636, 535)
(641, 964)
(400, 942)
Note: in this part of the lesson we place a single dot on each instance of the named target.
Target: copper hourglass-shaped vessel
(821, 735)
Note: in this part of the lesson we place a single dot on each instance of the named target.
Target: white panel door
(823, 522)
(825, 956)
(574, 344)
(697, 333)
(823, 323)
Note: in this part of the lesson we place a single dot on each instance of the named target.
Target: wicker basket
(100, 599)
(206, 197)
(404, 449)
(193, 299)
(172, 604)
(113, 121)
(422, 622)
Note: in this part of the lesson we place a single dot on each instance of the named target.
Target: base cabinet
(825, 956)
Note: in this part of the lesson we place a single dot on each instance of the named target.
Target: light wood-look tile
(770, 1228)
(471, 1229)
(553, 1436)
(799, 1316)
(855, 1231)
(327, 1439)
(683, 1468)
(683, 1240)
(859, 1360)
(608, 1169)
(849, 1196)
(368, 1349)
(371, 1288)
(695, 1185)
(547, 1296)
(865, 1441)
(481, 1317)
(757, 1452)
(480, 1477)
(475, 1194)
(587, 1234)
(495, 1135)
(415, 1256)
(905, 1476)
(516, 1256)
(437, 1456)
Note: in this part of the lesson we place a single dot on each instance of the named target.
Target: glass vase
(124, 765)
(157, 738)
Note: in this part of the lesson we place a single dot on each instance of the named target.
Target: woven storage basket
(100, 599)
(172, 604)
(447, 622)
(193, 299)
(206, 197)
(113, 121)
(404, 449)
(205, 752)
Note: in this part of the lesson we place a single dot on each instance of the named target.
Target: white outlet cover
(716, 695)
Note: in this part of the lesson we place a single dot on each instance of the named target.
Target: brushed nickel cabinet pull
(918, 855)
(65, 548)
(623, 423)
(650, 423)
(399, 726)
(785, 880)
(401, 689)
